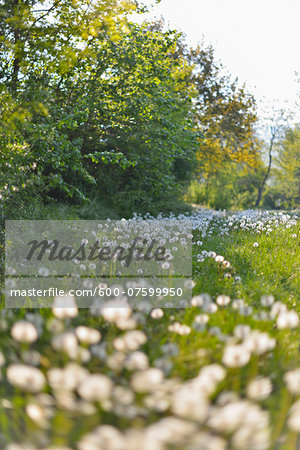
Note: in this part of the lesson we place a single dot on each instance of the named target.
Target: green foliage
(226, 114)
(93, 108)
(283, 190)
(43, 46)
(229, 164)
(145, 115)
(230, 187)
(44, 40)
(288, 172)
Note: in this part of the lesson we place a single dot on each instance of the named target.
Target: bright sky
(258, 41)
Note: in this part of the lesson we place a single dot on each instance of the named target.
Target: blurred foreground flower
(26, 378)
(24, 331)
(64, 307)
(259, 389)
(236, 356)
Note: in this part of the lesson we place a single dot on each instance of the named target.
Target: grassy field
(222, 371)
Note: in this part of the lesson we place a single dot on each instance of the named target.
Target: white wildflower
(88, 335)
(146, 380)
(267, 300)
(202, 319)
(219, 258)
(37, 413)
(236, 356)
(67, 378)
(223, 300)
(64, 307)
(242, 331)
(278, 308)
(95, 388)
(26, 378)
(294, 417)
(259, 389)
(259, 343)
(289, 319)
(292, 380)
(189, 403)
(114, 310)
(24, 331)
(67, 343)
(157, 313)
(136, 361)
(105, 437)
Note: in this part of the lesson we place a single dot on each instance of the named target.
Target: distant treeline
(100, 116)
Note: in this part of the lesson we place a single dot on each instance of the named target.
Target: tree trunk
(16, 61)
(261, 188)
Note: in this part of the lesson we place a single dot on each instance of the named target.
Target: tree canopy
(96, 107)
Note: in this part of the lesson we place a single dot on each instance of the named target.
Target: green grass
(271, 268)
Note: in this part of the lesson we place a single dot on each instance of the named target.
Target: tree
(41, 37)
(95, 104)
(225, 113)
(226, 117)
(42, 47)
(140, 111)
(288, 167)
(274, 123)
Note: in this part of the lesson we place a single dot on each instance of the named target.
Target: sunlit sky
(258, 41)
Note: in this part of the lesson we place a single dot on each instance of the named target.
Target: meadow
(103, 115)
(219, 371)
